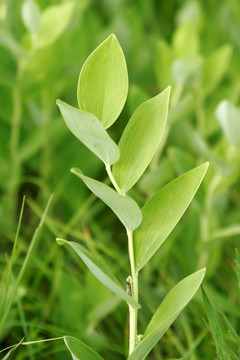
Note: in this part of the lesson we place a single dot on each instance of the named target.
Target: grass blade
(25, 263)
(216, 329)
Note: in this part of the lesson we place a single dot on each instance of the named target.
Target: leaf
(79, 350)
(103, 82)
(186, 71)
(216, 329)
(124, 207)
(31, 16)
(238, 264)
(140, 140)
(215, 67)
(167, 312)
(231, 329)
(163, 211)
(162, 60)
(6, 357)
(186, 41)
(89, 130)
(228, 117)
(54, 21)
(100, 271)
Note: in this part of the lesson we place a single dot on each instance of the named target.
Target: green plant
(102, 91)
(188, 45)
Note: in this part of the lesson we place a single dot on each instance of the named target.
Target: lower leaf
(79, 350)
(167, 312)
(100, 271)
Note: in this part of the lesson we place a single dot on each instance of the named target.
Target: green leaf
(186, 71)
(215, 67)
(216, 329)
(124, 207)
(186, 41)
(140, 140)
(79, 350)
(103, 82)
(167, 312)
(228, 117)
(100, 271)
(89, 130)
(6, 357)
(54, 21)
(230, 328)
(31, 16)
(238, 264)
(163, 211)
(162, 61)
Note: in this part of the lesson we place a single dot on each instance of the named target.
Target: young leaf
(215, 68)
(79, 350)
(163, 211)
(103, 82)
(100, 271)
(31, 16)
(162, 61)
(140, 140)
(124, 207)
(228, 117)
(89, 130)
(186, 41)
(167, 312)
(53, 23)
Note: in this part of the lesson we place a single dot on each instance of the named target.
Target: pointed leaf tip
(140, 140)
(103, 82)
(76, 171)
(169, 309)
(163, 211)
(61, 241)
(80, 350)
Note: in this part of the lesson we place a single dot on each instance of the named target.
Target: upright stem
(133, 312)
(111, 177)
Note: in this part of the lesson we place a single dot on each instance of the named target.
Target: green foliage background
(194, 46)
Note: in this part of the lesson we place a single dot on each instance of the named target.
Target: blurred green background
(194, 46)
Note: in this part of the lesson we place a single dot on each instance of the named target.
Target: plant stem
(133, 312)
(111, 177)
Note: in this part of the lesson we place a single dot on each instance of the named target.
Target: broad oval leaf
(54, 21)
(167, 312)
(100, 271)
(140, 140)
(163, 211)
(124, 207)
(79, 350)
(228, 117)
(103, 82)
(89, 130)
